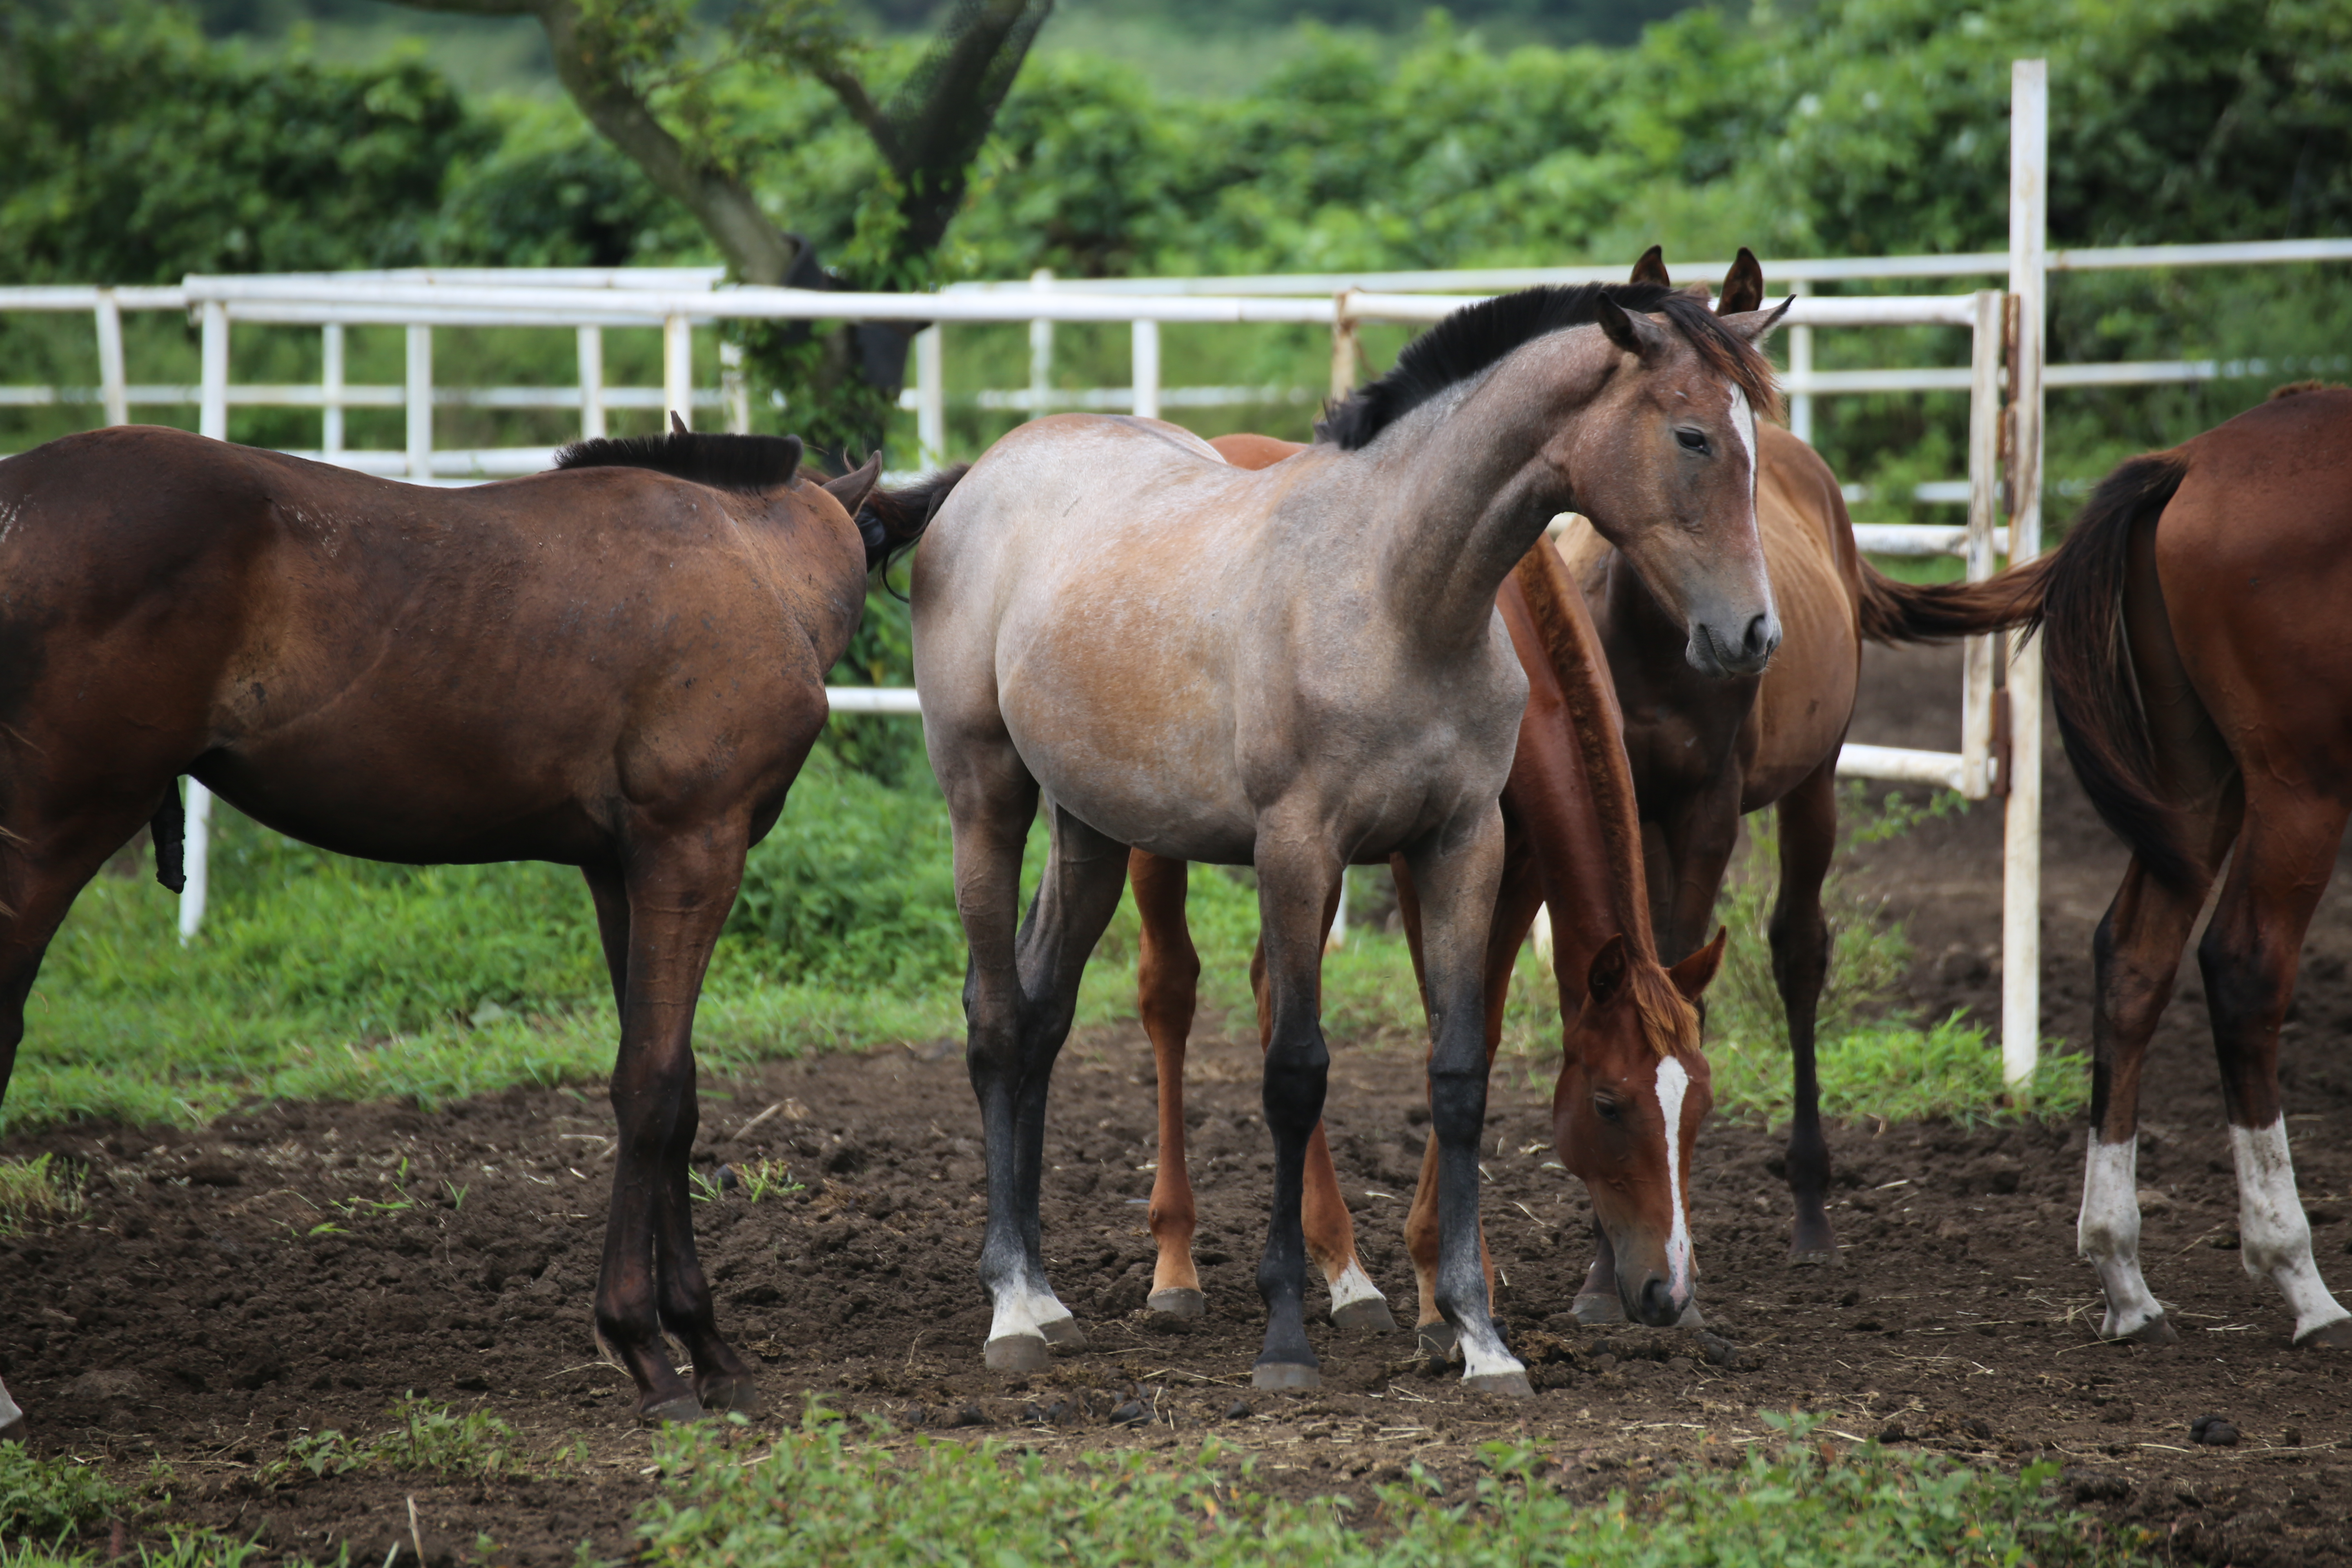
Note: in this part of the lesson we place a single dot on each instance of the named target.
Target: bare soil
(198, 1316)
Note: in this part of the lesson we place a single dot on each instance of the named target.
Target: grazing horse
(1706, 749)
(1633, 1088)
(619, 666)
(2204, 690)
(1298, 669)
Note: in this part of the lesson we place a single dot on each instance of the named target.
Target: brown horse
(1572, 842)
(619, 666)
(1300, 669)
(2203, 685)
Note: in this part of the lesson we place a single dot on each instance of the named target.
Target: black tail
(2092, 684)
(892, 520)
(170, 831)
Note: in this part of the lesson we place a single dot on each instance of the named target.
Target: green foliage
(48, 1500)
(814, 1496)
(35, 1192)
(425, 1437)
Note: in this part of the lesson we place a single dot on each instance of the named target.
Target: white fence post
(1984, 482)
(1041, 350)
(678, 370)
(1800, 365)
(734, 389)
(112, 391)
(420, 403)
(591, 384)
(2029, 165)
(1144, 360)
(930, 399)
(330, 389)
(212, 420)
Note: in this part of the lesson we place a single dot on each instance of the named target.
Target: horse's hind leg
(1800, 964)
(2248, 957)
(679, 891)
(1167, 984)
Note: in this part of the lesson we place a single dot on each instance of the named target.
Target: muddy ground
(196, 1319)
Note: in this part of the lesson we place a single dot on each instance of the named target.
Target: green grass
(47, 1499)
(425, 1437)
(35, 1192)
(817, 1496)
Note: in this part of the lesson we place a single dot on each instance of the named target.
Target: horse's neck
(1601, 821)
(1463, 487)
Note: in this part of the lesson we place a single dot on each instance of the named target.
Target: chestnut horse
(619, 666)
(2204, 689)
(1571, 841)
(1297, 669)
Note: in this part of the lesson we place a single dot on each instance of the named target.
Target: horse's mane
(748, 464)
(1476, 337)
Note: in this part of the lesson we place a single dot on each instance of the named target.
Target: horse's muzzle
(1657, 1304)
(1712, 652)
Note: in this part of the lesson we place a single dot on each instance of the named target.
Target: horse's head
(1665, 465)
(1633, 1091)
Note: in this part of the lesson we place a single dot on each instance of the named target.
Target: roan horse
(2203, 683)
(1706, 749)
(608, 667)
(1295, 669)
(1633, 1088)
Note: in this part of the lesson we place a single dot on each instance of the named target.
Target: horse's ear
(852, 489)
(1611, 967)
(1635, 335)
(1743, 286)
(1753, 324)
(1692, 974)
(1651, 267)
(677, 424)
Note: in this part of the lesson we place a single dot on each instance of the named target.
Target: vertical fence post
(678, 369)
(1144, 357)
(113, 393)
(930, 399)
(1801, 367)
(420, 403)
(1977, 779)
(2028, 165)
(1343, 382)
(1041, 350)
(734, 389)
(591, 384)
(331, 392)
(212, 420)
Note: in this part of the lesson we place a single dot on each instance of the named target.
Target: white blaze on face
(1673, 1083)
(1743, 420)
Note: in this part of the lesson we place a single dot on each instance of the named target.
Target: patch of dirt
(200, 1314)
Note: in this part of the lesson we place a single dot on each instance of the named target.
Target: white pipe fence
(2005, 381)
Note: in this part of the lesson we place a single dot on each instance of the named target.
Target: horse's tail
(891, 521)
(170, 830)
(1895, 612)
(2094, 686)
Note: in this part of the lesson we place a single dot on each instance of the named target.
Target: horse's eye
(1692, 440)
(1609, 1110)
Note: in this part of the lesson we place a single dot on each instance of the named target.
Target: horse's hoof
(1439, 1340)
(1016, 1352)
(1596, 1309)
(2335, 1336)
(685, 1407)
(739, 1395)
(1064, 1333)
(1370, 1313)
(1280, 1375)
(2157, 1331)
(1178, 1303)
(1510, 1384)
(1692, 1318)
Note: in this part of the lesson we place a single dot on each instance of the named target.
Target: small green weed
(47, 1499)
(425, 1437)
(199, 1549)
(817, 1497)
(765, 1179)
(36, 1192)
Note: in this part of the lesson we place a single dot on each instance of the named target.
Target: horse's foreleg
(652, 1282)
(1516, 902)
(1800, 965)
(1458, 875)
(2134, 956)
(1167, 986)
(1356, 1301)
(609, 892)
(2248, 958)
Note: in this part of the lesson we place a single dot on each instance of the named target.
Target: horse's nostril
(1657, 1303)
(1763, 636)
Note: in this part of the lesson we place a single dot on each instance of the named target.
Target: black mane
(1476, 337)
(744, 463)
